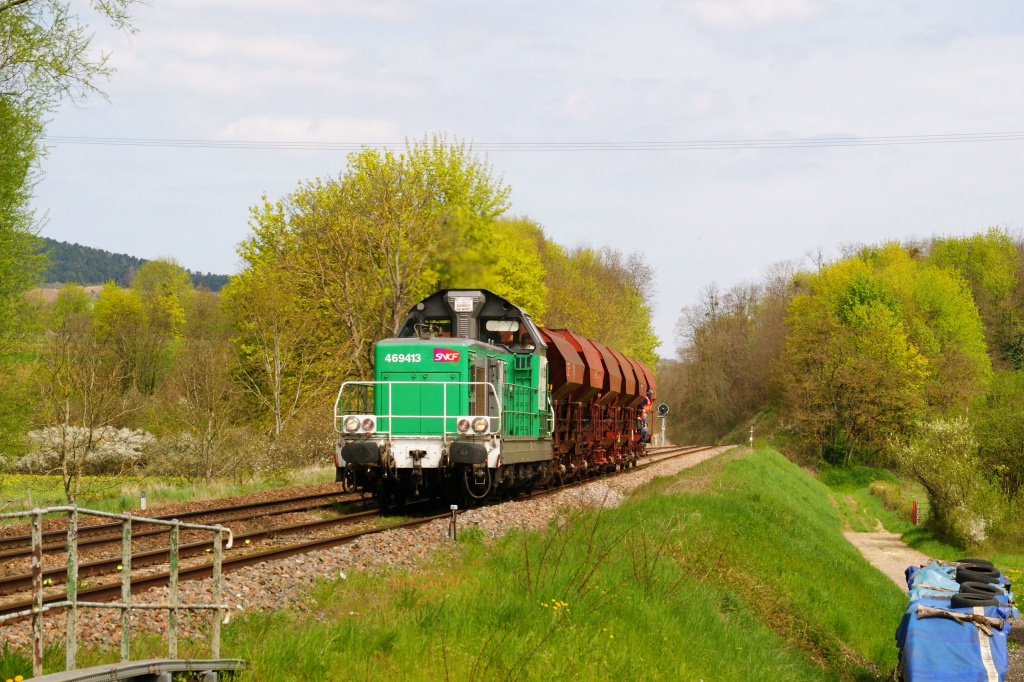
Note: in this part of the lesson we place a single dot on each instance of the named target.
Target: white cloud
(386, 10)
(577, 107)
(303, 129)
(732, 15)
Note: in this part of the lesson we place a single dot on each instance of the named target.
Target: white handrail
(390, 415)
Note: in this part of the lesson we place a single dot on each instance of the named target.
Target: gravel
(286, 583)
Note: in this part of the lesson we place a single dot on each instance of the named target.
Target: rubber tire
(981, 588)
(963, 601)
(966, 563)
(967, 575)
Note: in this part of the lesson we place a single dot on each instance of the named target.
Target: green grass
(734, 570)
(863, 512)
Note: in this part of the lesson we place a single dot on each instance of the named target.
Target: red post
(914, 513)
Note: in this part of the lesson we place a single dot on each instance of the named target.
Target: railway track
(19, 583)
(16, 546)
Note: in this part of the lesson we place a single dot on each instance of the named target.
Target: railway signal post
(662, 412)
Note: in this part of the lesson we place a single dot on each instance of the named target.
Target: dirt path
(887, 553)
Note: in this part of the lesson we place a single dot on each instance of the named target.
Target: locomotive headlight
(368, 424)
(351, 424)
(463, 425)
(480, 425)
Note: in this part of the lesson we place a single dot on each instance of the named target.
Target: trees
(999, 428)
(516, 271)
(728, 344)
(81, 388)
(20, 265)
(391, 229)
(993, 269)
(850, 377)
(45, 56)
(204, 408)
(284, 358)
(601, 294)
(141, 323)
(876, 341)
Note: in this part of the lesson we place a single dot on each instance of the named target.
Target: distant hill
(88, 266)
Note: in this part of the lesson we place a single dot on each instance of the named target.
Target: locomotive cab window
(510, 333)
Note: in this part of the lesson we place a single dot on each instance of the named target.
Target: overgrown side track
(111, 532)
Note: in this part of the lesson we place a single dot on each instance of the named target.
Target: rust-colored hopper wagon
(597, 396)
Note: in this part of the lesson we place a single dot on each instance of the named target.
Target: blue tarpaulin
(943, 650)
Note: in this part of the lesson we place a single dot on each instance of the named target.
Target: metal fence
(72, 604)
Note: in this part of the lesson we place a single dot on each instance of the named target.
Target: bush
(891, 496)
(106, 450)
(944, 458)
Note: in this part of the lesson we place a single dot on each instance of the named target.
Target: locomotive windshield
(509, 333)
(435, 326)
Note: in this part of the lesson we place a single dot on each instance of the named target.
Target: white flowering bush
(106, 450)
(944, 458)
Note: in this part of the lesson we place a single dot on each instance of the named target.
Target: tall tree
(602, 294)
(45, 54)
(81, 386)
(20, 264)
(45, 57)
(391, 229)
(850, 376)
(993, 268)
(284, 357)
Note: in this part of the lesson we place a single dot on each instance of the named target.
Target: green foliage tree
(285, 358)
(391, 229)
(44, 58)
(603, 295)
(81, 386)
(999, 428)
(20, 263)
(46, 54)
(850, 377)
(938, 312)
(516, 271)
(992, 265)
(142, 324)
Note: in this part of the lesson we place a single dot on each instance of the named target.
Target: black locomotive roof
(463, 308)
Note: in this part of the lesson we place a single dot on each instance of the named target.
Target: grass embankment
(733, 570)
(859, 491)
(122, 493)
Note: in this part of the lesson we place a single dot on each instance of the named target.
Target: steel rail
(200, 572)
(62, 533)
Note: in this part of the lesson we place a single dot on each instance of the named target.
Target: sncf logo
(446, 355)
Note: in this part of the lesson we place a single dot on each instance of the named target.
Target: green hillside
(88, 266)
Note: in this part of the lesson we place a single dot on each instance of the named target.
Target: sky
(525, 71)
